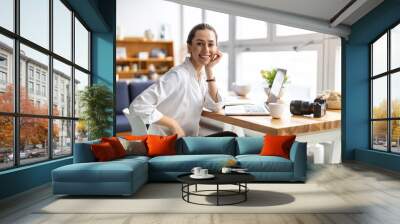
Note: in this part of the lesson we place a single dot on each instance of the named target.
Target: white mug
(226, 170)
(276, 109)
(203, 172)
(196, 170)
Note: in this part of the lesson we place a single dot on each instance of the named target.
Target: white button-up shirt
(176, 94)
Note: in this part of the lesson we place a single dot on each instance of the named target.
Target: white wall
(136, 16)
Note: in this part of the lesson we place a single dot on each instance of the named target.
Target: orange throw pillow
(116, 145)
(161, 145)
(135, 137)
(277, 145)
(103, 152)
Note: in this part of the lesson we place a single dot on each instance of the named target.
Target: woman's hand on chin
(215, 58)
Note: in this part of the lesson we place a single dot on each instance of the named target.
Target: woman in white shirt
(173, 105)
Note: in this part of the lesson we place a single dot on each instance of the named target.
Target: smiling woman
(173, 105)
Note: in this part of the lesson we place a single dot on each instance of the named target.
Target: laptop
(259, 109)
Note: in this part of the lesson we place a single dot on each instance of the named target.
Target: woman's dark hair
(201, 26)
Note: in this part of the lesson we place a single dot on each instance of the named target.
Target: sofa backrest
(122, 96)
(83, 152)
(206, 145)
(137, 87)
(249, 145)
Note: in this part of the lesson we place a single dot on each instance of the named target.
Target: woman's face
(203, 47)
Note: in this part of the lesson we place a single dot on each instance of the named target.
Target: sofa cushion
(158, 145)
(116, 145)
(122, 123)
(103, 152)
(122, 96)
(134, 147)
(185, 163)
(206, 145)
(249, 145)
(257, 163)
(137, 87)
(83, 152)
(112, 171)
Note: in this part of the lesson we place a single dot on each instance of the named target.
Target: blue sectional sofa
(125, 176)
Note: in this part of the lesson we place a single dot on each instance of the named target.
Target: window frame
(16, 114)
(388, 74)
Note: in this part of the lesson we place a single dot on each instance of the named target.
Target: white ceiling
(313, 15)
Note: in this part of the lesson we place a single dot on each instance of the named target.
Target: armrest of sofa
(298, 155)
(83, 152)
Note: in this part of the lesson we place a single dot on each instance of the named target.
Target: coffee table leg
(217, 194)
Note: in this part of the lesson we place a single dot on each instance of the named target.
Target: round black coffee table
(238, 179)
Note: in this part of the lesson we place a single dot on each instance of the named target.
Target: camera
(317, 108)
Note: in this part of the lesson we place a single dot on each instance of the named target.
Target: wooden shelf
(133, 46)
(128, 60)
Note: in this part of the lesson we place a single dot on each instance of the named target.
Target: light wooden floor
(379, 189)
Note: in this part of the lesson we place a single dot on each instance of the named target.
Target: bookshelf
(130, 63)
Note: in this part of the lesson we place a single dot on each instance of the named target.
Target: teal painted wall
(356, 85)
(100, 16)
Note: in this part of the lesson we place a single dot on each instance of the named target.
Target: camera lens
(298, 107)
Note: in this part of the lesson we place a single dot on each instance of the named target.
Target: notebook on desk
(258, 109)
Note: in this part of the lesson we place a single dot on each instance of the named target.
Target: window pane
(6, 142)
(379, 55)
(379, 135)
(192, 17)
(282, 30)
(62, 29)
(6, 74)
(221, 73)
(34, 96)
(301, 69)
(81, 81)
(35, 21)
(33, 139)
(7, 14)
(81, 45)
(62, 141)
(395, 95)
(62, 89)
(379, 98)
(250, 28)
(220, 22)
(81, 131)
(395, 138)
(395, 47)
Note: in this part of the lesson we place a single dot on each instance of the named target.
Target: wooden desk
(287, 125)
(324, 131)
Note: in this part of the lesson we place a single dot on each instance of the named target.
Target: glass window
(81, 131)
(379, 56)
(7, 14)
(192, 17)
(62, 138)
(395, 95)
(7, 75)
(379, 135)
(220, 22)
(81, 45)
(30, 87)
(63, 72)
(221, 73)
(379, 98)
(395, 136)
(81, 81)
(395, 47)
(301, 69)
(250, 28)
(34, 144)
(35, 21)
(282, 30)
(6, 142)
(62, 29)
(40, 62)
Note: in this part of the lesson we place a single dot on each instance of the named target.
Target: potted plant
(96, 102)
(269, 76)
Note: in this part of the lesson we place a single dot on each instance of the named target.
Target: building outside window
(34, 82)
